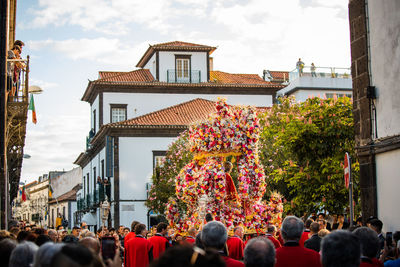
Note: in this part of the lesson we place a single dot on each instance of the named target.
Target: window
(94, 121)
(102, 169)
(118, 112)
(64, 211)
(182, 68)
(87, 183)
(94, 178)
(158, 157)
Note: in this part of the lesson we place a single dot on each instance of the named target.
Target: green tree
(302, 149)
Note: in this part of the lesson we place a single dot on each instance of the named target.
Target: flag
(32, 107)
(23, 194)
(51, 191)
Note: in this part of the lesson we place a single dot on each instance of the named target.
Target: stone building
(375, 53)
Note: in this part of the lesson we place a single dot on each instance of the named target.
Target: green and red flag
(32, 107)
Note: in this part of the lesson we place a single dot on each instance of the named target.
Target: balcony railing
(91, 200)
(17, 89)
(320, 72)
(193, 76)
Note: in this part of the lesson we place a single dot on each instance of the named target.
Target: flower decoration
(230, 131)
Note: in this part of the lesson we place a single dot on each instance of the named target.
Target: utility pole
(3, 114)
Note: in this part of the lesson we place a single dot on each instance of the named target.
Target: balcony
(320, 72)
(17, 111)
(318, 81)
(193, 76)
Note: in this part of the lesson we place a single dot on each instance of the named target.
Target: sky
(70, 41)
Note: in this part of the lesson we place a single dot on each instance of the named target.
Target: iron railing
(320, 72)
(173, 76)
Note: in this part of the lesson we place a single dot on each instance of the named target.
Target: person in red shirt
(306, 233)
(271, 230)
(340, 248)
(158, 241)
(369, 247)
(292, 254)
(214, 236)
(131, 234)
(191, 238)
(138, 250)
(235, 244)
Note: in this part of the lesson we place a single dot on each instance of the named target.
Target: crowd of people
(298, 242)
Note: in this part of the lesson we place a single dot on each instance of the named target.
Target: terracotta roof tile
(181, 114)
(281, 75)
(179, 44)
(142, 75)
(229, 78)
(175, 45)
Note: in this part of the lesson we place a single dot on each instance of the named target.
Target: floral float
(204, 186)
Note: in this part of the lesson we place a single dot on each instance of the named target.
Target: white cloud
(53, 143)
(42, 84)
(111, 17)
(111, 51)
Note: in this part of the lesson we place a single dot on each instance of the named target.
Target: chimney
(211, 63)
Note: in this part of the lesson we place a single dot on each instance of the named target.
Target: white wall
(135, 170)
(65, 182)
(167, 62)
(151, 65)
(388, 185)
(141, 103)
(303, 94)
(136, 164)
(384, 23)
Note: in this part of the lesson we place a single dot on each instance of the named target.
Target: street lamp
(105, 210)
(34, 89)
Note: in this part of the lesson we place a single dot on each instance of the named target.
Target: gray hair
(340, 248)
(45, 254)
(259, 252)
(292, 228)
(23, 254)
(369, 241)
(214, 235)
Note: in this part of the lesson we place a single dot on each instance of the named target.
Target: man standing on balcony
(11, 66)
(299, 67)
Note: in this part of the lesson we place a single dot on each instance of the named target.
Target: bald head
(91, 243)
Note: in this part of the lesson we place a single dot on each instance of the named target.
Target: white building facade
(126, 138)
(323, 82)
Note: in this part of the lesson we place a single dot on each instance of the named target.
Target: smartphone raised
(108, 247)
(389, 239)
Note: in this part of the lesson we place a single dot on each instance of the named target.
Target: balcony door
(182, 69)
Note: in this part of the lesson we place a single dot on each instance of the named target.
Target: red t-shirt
(304, 237)
(275, 241)
(137, 252)
(235, 247)
(291, 254)
(129, 236)
(232, 263)
(159, 244)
